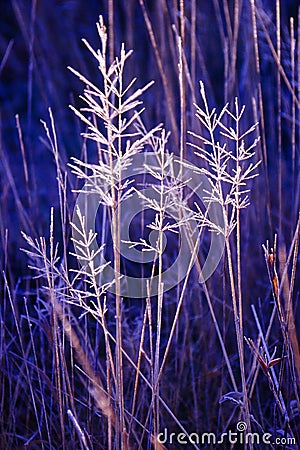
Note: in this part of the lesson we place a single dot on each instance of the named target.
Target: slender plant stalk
(279, 113)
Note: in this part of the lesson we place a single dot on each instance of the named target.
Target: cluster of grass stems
(84, 366)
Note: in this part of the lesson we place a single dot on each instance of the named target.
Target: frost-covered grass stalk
(227, 152)
(117, 143)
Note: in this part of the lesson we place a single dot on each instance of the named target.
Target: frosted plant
(227, 153)
(116, 106)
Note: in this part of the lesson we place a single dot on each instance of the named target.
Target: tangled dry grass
(84, 364)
